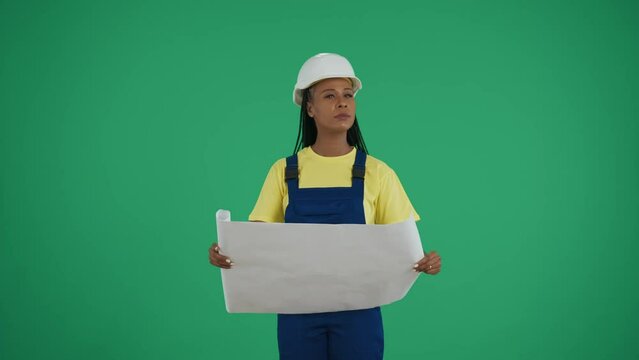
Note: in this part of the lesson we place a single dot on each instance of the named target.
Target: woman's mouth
(343, 116)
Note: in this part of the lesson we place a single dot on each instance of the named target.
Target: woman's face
(332, 105)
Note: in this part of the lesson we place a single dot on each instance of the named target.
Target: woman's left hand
(431, 263)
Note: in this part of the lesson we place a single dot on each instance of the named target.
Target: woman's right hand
(217, 259)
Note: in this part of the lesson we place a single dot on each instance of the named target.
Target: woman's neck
(331, 146)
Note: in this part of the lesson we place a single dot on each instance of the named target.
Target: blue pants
(352, 335)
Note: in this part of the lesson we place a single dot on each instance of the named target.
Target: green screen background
(125, 125)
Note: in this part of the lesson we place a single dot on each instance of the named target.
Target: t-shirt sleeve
(268, 207)
(393, 204)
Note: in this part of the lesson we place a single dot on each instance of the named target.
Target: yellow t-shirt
(385, 201)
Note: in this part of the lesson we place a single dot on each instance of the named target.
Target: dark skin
(329, 99)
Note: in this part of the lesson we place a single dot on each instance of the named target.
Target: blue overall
(353, 334)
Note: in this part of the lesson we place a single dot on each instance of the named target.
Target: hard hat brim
(299, 88)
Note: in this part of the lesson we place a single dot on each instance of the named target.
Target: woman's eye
(330, 96)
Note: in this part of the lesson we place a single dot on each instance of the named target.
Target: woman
(330, 178)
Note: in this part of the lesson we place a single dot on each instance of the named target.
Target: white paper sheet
(310, 268)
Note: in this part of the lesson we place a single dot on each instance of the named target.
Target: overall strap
(291, 174)
(359, 168)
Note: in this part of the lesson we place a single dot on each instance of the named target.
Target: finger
(216, 250)
(222, 265)
(434, 269)
(432, 261)
(226, 264)
(218, 264)
(220, 259)
(215, 257)
(218, 255)
(434, 255)
(421, 267)
(423, 260)
(428, 266)
(215, 253)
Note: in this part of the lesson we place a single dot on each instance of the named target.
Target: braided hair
(307, 132)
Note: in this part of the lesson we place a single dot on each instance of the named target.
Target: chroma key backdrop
(125, 125)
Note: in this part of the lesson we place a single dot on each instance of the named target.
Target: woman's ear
(309, 109)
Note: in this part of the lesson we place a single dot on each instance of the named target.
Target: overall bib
(353, 334)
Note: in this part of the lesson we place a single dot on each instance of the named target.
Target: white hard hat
(323, 66)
